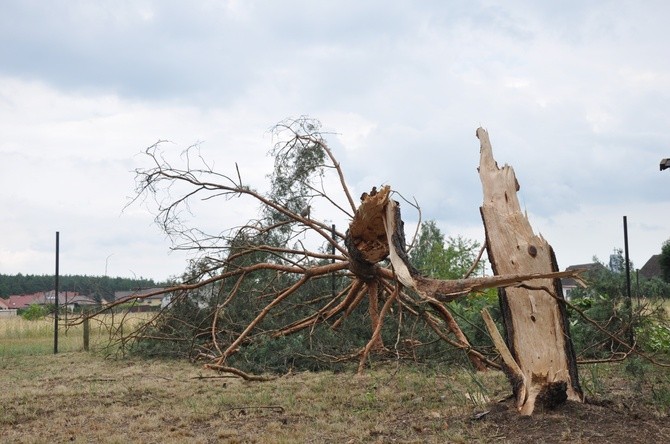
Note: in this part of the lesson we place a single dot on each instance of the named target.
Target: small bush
(654, 337)
(34, 312)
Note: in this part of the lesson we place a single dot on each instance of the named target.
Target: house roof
(80, 299)
(3, 304)
(652, 268)
(137, 293)
(23, 301)
(588, 268)
(48, 297)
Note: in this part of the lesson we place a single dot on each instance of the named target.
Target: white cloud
(598, 229)
(352, 131)
(68, 161)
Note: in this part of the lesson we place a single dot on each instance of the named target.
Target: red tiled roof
(23, 301)
(45, 297)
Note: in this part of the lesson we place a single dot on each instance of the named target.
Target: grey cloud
(175, 53)
(206, 52)
(574, 96)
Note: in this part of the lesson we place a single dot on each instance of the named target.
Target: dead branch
(240, 373)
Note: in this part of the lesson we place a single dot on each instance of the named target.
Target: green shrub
(34, 312)
(656, 338)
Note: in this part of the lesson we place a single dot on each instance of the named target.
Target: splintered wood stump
(544, 367)
(366, 237)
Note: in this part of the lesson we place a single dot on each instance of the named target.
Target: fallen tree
(282, 257)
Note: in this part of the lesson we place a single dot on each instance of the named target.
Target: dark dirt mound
(596, 421)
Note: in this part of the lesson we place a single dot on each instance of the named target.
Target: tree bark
(535, 321)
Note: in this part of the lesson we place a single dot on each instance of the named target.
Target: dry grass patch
(19, 336)
(80, 397)
(666, 305)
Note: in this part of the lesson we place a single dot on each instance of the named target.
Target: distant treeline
(98, 287)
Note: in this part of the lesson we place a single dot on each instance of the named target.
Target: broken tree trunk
(368, 243)
(376, 233)
(544, 367)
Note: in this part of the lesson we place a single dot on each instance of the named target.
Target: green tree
(441, 258)
(452, 258)
(665, 261)
(98, 287)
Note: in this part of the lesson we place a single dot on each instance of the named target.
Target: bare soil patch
(77, 397)
(593, 422)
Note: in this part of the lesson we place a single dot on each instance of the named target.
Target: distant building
(69, 299)
(570, 284)
(652, 268)
(140, 298)
(5, 311)
(23, 300)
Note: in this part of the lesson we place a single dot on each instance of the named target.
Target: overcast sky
(575, 96)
